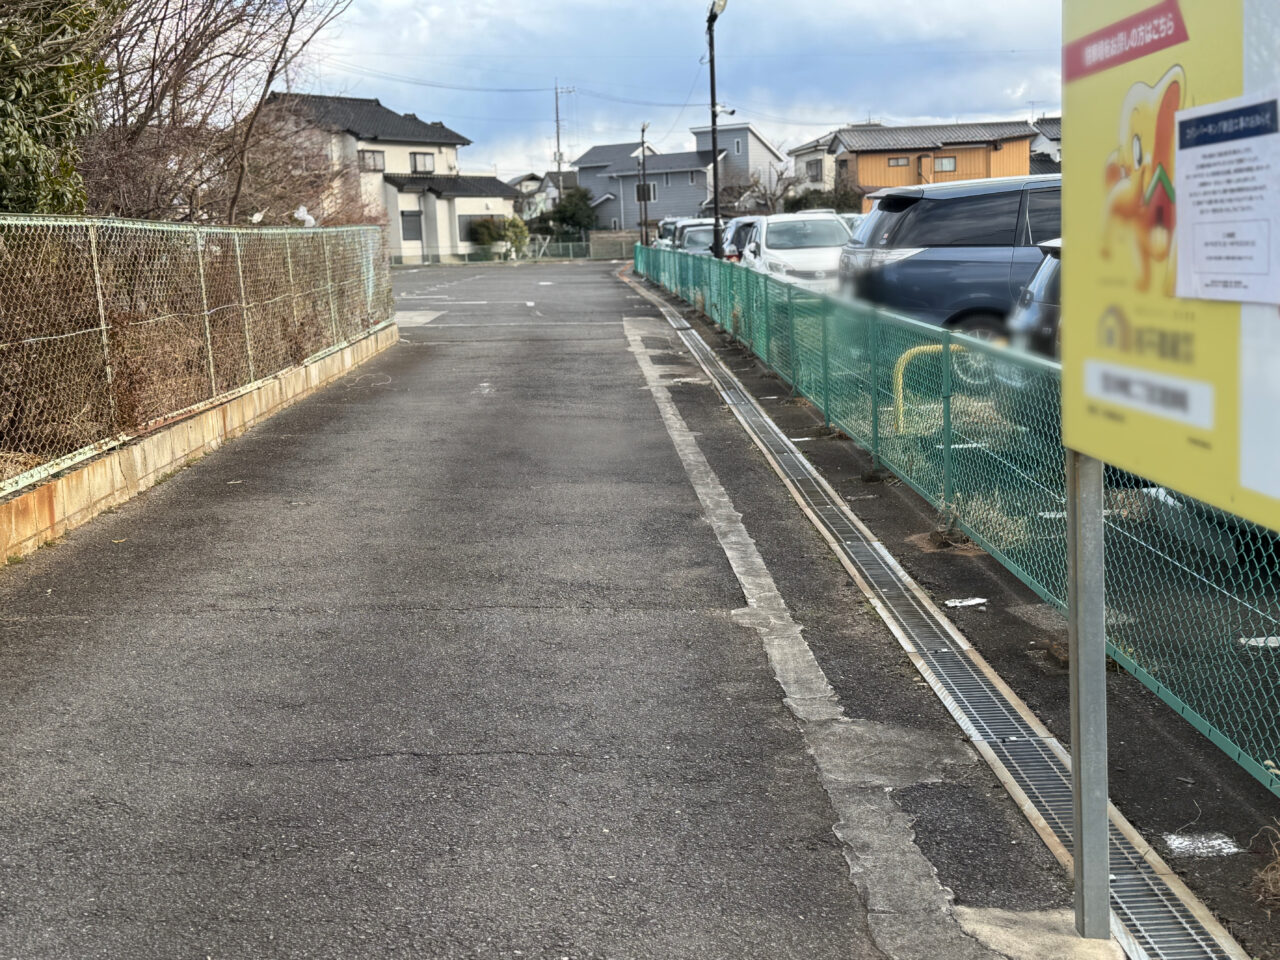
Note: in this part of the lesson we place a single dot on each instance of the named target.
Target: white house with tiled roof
(408, 173)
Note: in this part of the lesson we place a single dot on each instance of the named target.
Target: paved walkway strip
(1154, 914)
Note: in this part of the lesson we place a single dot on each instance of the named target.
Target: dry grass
(1266, 883)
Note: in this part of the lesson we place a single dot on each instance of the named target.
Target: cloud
(794, 71)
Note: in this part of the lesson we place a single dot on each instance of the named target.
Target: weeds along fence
(111, 327)
(1193, 594)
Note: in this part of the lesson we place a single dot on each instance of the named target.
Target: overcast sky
(794, 68)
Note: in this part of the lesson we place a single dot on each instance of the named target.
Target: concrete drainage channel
(1153, 915)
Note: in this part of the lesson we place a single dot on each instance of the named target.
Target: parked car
(954, 254)
(853, 221)
(666, 232)
(1033, 326)
(735, 235)
(685, 224)
(801, 248)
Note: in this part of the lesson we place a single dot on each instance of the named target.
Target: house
(1046, 148)
(750, 167)
(408, 172)
(540, 193)
(870, 156)
(682, 182)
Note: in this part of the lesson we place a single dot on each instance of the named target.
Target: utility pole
(559, 155)
(644, 189)
(717, 243)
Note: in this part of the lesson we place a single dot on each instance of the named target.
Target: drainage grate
(1153, 914)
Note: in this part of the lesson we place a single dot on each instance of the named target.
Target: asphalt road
(438, 663)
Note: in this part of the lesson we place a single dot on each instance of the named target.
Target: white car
(800, 248)
(666, 232)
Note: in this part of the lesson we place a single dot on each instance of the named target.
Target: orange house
(871, 156)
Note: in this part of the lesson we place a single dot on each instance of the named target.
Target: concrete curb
(34, 517)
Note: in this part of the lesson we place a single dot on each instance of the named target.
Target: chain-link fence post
(328, 276)
(791, 336)
(244, 309)
(293, 289)
(873, 339)
(826, 366)
(948, 466)
(198, 235)
(102, 322)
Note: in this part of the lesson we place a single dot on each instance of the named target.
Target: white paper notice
(1228, 200)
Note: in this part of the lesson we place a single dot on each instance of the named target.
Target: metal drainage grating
(1149, 918)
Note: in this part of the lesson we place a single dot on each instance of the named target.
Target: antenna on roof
(1033, 104)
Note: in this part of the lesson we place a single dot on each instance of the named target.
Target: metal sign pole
(1086, 610)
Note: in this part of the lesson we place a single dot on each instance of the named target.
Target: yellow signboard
(1171, 245)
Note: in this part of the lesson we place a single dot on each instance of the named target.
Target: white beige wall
(800, 163)
(397, 155)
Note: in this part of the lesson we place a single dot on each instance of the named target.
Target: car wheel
(972, 368)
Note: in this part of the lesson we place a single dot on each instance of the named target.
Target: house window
(693, 177)
(411, 224)
(373, 160)
(944, 165)
(613, 224)
(666, 179)
(737, 147)
(813, 171)
(899, 161)
(467, 225)
(422, 162)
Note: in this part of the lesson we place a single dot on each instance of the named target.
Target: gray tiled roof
(932, 137)
(570, 178)
(453, 185)
(607, 154)
(368, 119)
(664, 163)
(1051, 127)
(1043, 163)
(864, 137)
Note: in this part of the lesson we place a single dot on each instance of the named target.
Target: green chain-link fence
(111, 327)
(1193, 594)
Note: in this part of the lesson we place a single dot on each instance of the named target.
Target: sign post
(1087, 639)
(1171, 305)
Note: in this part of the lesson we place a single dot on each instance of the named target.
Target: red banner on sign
(1147, 32)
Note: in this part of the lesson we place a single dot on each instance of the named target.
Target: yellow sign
(1170, 128)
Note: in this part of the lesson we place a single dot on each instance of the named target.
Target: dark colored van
(954, 254)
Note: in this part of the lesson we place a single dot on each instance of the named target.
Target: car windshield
(801, 234)
(699, 238)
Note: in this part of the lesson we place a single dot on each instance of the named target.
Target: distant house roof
(569, 177)
(663, 163)
(516, 181)
(1050, 127)
(368, 119)
(872, 137)
(1043, 163)
(607, 154)
(453, 185)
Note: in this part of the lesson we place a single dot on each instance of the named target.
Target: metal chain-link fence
(110, 327)
(1193, 594)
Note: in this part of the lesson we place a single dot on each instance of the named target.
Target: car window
(741, 236)
(668, 231)
(1044, 215)
(699, 238)
(803, 234)
(1044, 285)
(877, 228)
(987, 220)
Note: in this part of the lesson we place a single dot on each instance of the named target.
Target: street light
(717, 243)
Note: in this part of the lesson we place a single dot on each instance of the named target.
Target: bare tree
(178, 119)
(759, 193)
